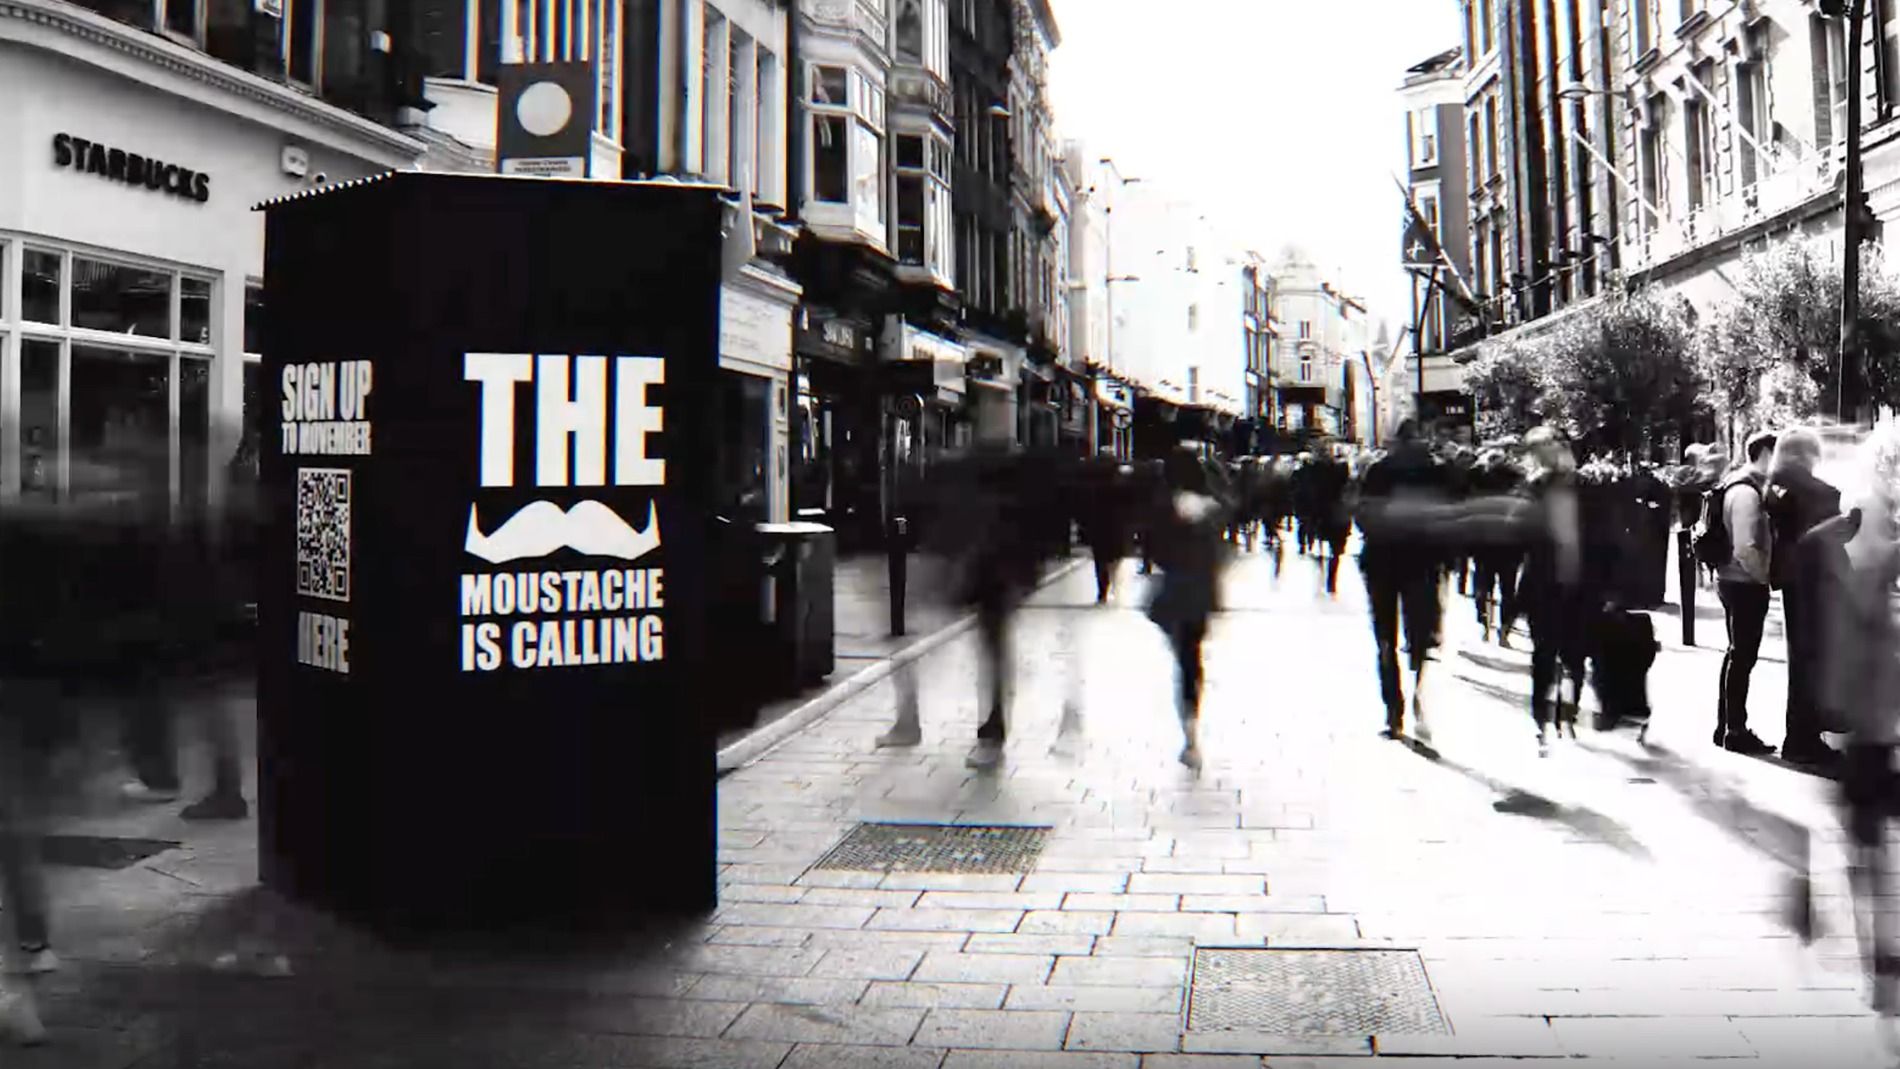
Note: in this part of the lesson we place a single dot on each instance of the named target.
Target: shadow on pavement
(1516, 801)
(1496, 664)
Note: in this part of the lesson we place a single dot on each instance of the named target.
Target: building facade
(1437, 174)
(1319, 368)
(135, 140)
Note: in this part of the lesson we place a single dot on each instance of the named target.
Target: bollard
(1688, 567)
(899, 566)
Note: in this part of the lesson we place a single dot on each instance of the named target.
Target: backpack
(1711, 541)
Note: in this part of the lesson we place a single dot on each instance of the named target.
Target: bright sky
(1279, 118)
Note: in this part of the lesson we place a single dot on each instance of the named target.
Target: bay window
(847, 145)
(923, 224)
(830, 133)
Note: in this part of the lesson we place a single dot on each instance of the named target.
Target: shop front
(131, 260)
(834, 474)
(1450, 413)
(755, 369)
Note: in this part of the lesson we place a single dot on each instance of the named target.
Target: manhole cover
(937, 848)
(1313, 993)
(99, 852)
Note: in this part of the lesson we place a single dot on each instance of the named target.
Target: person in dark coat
(1496, 564)
(1796, 502)
(1107, 518)
(1553, 587)
(1401, 563)
(1189, 549)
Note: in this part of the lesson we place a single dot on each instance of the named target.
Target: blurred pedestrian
(1107, 523)
(1189, 550)
(1497, 475)
(1737, 521)
(1553, 589)
(1400, 563)
(1797, 501)
(1852, 563)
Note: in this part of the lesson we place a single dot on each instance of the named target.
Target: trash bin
(795, 602)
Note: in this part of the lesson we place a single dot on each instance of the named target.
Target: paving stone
(1125, 1031)
(790, 990)
(1269, 1045)
(1202, 927)
(692, 1016)
(1121, 903)
(948, 967)
(1065, 921)
(1143, 946)
(760, 892)
(1120, 972)
(949, 996)
(841, 880)
(795, 915)
(840, 938)
(833, 1056)
(1023, 900)
(1153, 999)
(1250, 904)
(950, 881)
(1017, 943)
(874, 1026)
(1183, 864)
(702, 1054)
(748, 960)
(1508, 1037)
(1168, 883)
(869, 963)
(1206, 1061)
(1011, 1030)
(1076, 882)
(746, 935)
(1638, 1038)
(1298, 928)
(1039, 1059)
(945, 920)
(860, 896)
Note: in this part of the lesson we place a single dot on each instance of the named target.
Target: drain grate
(974, 848)
(99, 851)
(1313, 993)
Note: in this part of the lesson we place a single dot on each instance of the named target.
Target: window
(1477, 151)
(910, 218)
(1829, 41)
(1751, 102)
(713, 108)
(1428, 207)
(608, 64)
(1491, 136)
(1306, 329)
(909, 31)
(253, 319)
(1642, 29)
(766, 182)
(1485, 23)
(183, 18)
(1424, 125)
(1699, 136)
(1651, 149)
(121, 300)
(831, 128)
(194, 310)
(120, 428)
(1194, 318)
(1471, 30)
(1306, 365)
(39, 419)
(302, 32)
(40, 289)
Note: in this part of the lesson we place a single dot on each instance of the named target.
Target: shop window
(120, 429)
(40, 286)
(39, 418)
(194, 311)
(194, 435)
(253, 319)
(120, 299)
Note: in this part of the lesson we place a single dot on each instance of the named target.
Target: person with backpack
(1797, 501)
(1733, 536)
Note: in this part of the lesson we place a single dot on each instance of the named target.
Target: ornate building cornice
(20, 18)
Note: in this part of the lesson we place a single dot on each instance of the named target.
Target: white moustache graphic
(541, 527)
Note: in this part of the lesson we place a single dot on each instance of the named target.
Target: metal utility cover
(1313, 993)
(974, 848)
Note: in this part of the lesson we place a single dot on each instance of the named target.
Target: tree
(1772, 349)
(1505, 388)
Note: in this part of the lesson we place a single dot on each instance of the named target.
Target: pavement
(1610, 904)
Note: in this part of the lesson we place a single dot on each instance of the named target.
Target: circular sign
(544, 109)
(1123, 418)
(910, 405)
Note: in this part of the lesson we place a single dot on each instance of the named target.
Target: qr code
(323, 533)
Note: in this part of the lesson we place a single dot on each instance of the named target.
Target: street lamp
(1579, 91)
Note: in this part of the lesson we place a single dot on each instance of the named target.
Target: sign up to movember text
(536, 614)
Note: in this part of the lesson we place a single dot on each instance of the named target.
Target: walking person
(1189, 549)
(1401, 568)
(1736, 522)
(1553, 587)
(1106, 520)
(1497, 564)
(1797, 501)
(1851, 563)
